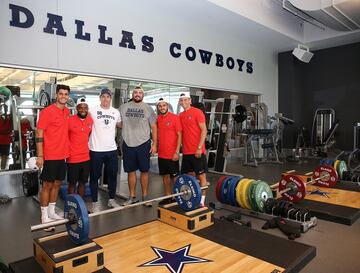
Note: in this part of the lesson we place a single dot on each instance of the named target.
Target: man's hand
(198, 153)
(175, 157)
(153, 149)
(40, 162)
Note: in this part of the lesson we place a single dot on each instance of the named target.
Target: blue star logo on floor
(174, 260)
(320, 192)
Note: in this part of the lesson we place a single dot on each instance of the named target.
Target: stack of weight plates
(244, 192)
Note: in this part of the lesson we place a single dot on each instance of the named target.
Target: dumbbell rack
(304, 225)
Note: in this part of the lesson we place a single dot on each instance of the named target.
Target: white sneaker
(47, 220)
(95, 207)
(130, 200)
(112, 203)
(55, 216)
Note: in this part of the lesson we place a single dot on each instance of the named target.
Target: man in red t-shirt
(25, 130)
(193, 148)
(78, 163)
(52, 143)
(5, 137)
(169, 141)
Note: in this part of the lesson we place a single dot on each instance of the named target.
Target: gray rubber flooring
(338, 246)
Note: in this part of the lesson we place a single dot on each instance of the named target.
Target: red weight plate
(297, 186)
(218, 187)
(330, 180)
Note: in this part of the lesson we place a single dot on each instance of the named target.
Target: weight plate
(262, 192)
(297, 186)
(330, 180)
(341, 169)
(224, 190)
(336, 165)
(232, 191)
(240, 192)
(251, 194)
(246, 198)
(192, 199)
(78, 226)
(218, 186)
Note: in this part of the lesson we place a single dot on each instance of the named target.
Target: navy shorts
(137, 158)
(168, 166)
(53, 170)
(190, 163)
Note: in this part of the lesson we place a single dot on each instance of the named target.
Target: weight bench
(269, 144)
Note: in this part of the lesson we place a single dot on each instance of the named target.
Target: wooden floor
(126, 250)
(337, 197)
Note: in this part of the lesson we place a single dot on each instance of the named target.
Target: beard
(82, 115)
(164, 112)
(137, 99)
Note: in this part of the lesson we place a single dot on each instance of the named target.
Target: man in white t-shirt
(103, 148)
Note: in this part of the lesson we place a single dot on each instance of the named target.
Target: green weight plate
(341, 169)
(262, 192)
(251, 194)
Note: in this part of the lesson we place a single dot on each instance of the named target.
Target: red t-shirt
(168, 127)
(190, 120)
(79, 131)
(54, 122)
(25, 127)
(5, 130)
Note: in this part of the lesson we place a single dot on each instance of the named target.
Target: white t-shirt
(102, 137)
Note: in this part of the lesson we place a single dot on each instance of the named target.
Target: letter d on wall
(16, 12)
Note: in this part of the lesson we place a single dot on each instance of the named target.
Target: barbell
(186, 191)
(293, 188)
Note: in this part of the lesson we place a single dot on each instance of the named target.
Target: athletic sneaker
(95, 207)
(55, 216)
(47, 220)
(130, 200)
(148, 204)
(112, 203)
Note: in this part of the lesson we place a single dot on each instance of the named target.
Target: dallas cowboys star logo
(174, 260)
(317, 191)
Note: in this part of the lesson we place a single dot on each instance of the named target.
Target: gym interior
(277, 81)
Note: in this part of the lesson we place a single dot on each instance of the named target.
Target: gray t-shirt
(136, 118)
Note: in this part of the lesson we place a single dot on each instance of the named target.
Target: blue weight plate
(192, 199)
(224, 190)
(229, 194)
(78, 226)
(232, 196)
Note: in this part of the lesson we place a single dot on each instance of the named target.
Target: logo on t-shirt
(106, 121)
(189, 116)
(135, 113)
(99, 113)
(168, 123)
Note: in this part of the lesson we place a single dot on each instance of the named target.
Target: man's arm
(39, 139)
(203, 134)
(154, 138)
(176, 156)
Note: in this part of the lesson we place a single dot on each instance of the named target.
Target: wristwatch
(199, 147)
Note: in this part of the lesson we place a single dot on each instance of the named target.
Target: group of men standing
(63, 142)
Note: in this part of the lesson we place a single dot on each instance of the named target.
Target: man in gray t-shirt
(138, 123)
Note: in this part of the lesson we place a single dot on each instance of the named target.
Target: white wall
(199, 24)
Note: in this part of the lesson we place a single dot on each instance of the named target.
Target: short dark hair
(62, 86)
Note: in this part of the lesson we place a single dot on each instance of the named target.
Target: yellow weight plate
(336, 166)
(245, 195)
(238, 192)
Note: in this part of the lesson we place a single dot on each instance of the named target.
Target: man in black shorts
(194, 134)
(78, 163)
(52, 145)
(169, 141)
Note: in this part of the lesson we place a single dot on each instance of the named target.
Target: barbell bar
(65, 221)
(187, 193)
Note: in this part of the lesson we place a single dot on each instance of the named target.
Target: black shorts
(78, 172)
(168, 166)
(190, 163)
(4, 149)
(53, 170)
(136, 158)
